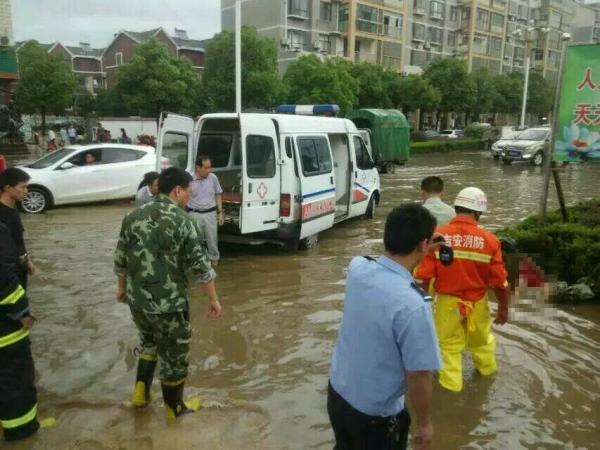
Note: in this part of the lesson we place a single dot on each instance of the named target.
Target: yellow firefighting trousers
(461, 324)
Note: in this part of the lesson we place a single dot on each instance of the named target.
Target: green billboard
(577, 136)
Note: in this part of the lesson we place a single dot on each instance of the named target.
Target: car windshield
(51, 158)
(446, 132)
(533, 135)
(510, 135)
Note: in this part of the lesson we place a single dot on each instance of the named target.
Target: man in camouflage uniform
(158, 246)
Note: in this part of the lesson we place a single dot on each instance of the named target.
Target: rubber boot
(173, 397)
(143, 383)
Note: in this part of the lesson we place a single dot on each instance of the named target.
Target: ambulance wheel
(291, 245)
(309, 242)
(371, 207)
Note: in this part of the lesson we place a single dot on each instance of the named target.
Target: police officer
(461, 312)
(158, 245)
(386, 346)
(18, 396)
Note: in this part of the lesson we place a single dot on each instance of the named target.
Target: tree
(485, 93)
(262, 85)
(84, 104)
(310, 80)
(155, 81)
(373, 85)
(508, 94)
(540, 96)
(110, 102)
(457, 89)
(46, 83)
(414, 92)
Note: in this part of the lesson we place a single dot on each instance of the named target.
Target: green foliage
(485, 93)
(311, 80)
(84, 104)
(373, 85)
(508, 94)
(109, 102)
(262, 85)
(446, 145)
(46, 84)
(414, 92)
(569, 250)
(540, 95)
(457, 88)
(156, 81)
(475, 131)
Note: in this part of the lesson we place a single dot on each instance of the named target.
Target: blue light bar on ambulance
(309, 110)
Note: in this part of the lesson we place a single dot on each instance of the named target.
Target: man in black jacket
(18, 397)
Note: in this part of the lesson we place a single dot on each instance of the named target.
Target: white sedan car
(86, 173)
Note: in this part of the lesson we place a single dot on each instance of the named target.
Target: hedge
(446, 145)
(570, 250)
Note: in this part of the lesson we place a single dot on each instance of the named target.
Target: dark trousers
(357, 431)
(18, 397)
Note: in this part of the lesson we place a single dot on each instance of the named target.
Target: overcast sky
(96, 21)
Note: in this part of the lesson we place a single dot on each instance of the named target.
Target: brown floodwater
(262, 369)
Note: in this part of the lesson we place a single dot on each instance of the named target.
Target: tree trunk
(437, 119)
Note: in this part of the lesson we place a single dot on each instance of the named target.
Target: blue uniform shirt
(387, 329)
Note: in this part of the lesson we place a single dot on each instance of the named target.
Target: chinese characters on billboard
(577, 136)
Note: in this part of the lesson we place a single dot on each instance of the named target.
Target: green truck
(387, 133)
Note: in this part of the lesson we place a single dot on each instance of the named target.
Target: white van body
(285, 178)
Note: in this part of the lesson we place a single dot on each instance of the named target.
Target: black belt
(202, 211)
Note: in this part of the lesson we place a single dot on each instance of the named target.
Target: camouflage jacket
(158, 245)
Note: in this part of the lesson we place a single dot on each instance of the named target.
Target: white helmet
(472, 198)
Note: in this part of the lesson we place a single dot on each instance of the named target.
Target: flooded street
(262, 369)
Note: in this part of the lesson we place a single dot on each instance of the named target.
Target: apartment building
(370, 31)
(9, 72)
(407, 34)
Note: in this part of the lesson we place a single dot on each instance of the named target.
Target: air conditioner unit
(287, 43)
(4, 41)
(426, 46)
(296, 48)
(317, 45)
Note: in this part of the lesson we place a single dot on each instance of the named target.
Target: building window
(453, 14)
(297, 39)
(482, 20)
(466, 14)
(495, 47)
(480, 44)
(118, 59)
(418, 32)
(497, 23)
(553, 59)
(343, 18)
(392, 26)
(538, 54)
(298, 8)
(419, 6)
(555, 20)
(451, 38)
(436, 10)
(326, 11)
(519, 54)
(324, 43)
(435, 35)
(366, 19)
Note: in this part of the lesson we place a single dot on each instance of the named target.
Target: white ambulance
(285, 178)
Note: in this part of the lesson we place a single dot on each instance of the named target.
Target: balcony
(419, 11)
(394, 32)
(298, 13)
(436, 15)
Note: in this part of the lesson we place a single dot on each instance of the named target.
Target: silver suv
(528, 146)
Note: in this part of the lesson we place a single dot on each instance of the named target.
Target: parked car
(497, 147)
(452, 134)
(86, 173)
(528, 146)
(431, 134)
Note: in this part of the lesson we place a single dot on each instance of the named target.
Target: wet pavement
(262, 369)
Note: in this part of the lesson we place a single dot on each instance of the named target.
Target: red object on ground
(531, 273)
(2, 163)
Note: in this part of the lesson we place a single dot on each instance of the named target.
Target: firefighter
(461, 311)
(18, 397)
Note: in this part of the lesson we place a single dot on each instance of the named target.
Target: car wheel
(538, 159)
(36, 201)
(371, 207)
(496, 156)
(506, 161)
(309, 242)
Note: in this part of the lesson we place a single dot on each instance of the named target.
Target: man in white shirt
(432, 190)
(205, 205)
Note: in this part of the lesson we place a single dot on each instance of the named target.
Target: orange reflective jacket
(477, 261)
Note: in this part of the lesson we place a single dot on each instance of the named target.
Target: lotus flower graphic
(578, 142)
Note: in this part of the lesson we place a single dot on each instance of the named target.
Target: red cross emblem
(262, 190)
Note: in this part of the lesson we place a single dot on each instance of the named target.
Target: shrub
(446, 145)
(474, 131)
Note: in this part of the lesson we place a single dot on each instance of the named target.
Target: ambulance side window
(260, 156)
(363, 160)
(315, 156)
